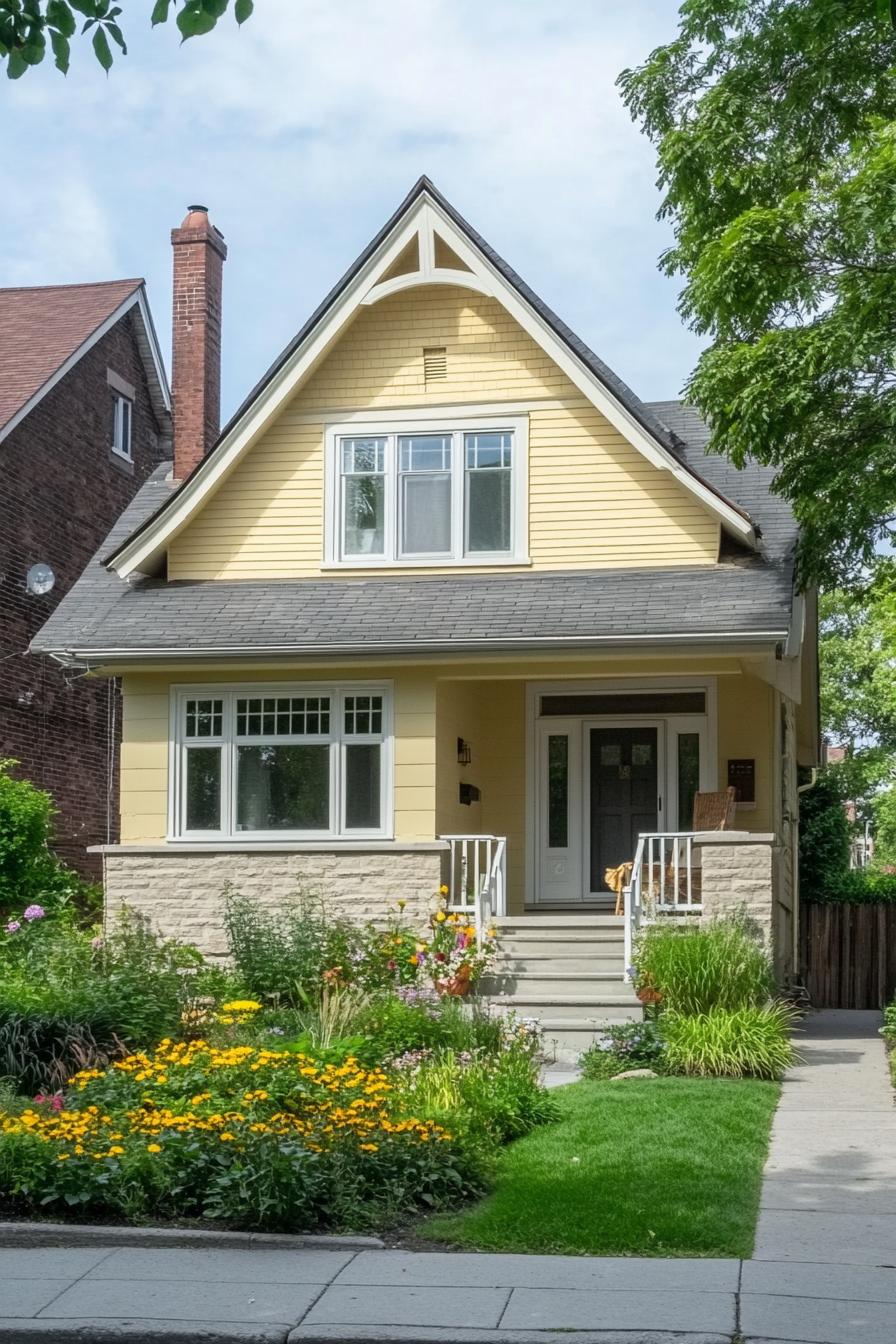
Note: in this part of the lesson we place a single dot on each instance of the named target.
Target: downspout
(800, 788)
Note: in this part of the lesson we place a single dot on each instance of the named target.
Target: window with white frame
(300, 762)
(426, 495)
(121, 426)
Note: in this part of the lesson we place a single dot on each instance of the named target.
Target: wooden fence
(849, 954)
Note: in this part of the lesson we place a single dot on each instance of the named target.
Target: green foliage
(68, 999)
(883, 810)
(630, 1045)
(29, 871)
(775, 129)
(858, 636)
(497, 1097)
(25, 26)
(285, 954)
(412, 1020)
(824, 835)
(856, 886)
(693, 970)
(749, 1042)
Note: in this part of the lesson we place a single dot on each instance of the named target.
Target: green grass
(670, 1166)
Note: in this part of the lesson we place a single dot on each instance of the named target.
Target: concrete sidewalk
(269, 1296)
(829, 1194)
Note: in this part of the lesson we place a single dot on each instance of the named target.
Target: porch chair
(711, 812)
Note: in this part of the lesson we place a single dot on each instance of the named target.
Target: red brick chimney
(199, 254)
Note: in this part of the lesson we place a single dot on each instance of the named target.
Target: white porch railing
(664, 882)
(477, 877)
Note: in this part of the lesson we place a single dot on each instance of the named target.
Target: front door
(623, 796)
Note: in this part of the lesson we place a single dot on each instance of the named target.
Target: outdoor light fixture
(464, 754)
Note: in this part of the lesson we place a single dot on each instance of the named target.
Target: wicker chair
(712, 812)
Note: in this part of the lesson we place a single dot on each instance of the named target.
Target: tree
(28, 26)
(858, 662)
(774, 127)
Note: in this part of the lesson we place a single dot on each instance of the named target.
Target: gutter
(96, 656)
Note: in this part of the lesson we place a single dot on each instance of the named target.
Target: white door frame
(537, 728)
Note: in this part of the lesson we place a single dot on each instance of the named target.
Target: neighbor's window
(307, 763)
(121, 426)
(413, 497)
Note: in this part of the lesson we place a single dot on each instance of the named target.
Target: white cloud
(303, 130)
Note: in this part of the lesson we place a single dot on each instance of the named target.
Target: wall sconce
(464, 754)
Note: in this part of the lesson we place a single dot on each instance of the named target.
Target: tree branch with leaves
(29, 28)
(775, 128)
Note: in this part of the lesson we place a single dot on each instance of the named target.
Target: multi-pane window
(412, 497)
(308, 765)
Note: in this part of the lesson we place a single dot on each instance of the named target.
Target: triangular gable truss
(425, 243)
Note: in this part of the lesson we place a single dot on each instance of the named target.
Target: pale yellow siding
(594, 500)
(747, 731)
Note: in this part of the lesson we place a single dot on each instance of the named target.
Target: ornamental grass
(258, 1138)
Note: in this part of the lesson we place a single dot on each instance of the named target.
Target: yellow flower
(63, 1157)
(441, 917)
(153, 1147)
(443, 890)
(226, 1137)
(116, 1151)
(241, 1006)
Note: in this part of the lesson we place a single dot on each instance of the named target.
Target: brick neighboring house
(85, 418)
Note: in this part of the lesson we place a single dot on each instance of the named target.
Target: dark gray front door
(623, 795)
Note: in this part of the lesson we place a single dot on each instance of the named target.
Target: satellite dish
(40, 580)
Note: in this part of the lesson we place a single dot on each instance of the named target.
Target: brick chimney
(199, 253)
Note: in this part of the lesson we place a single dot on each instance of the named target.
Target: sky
(302, 131)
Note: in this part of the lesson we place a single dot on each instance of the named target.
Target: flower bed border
(36, 1234)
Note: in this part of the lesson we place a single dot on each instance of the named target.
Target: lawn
(670, 1166)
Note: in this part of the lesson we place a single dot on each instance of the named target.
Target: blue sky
(303, 130)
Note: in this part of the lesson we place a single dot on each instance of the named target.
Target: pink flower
(13, 926)
(33, 912)
(97, 943)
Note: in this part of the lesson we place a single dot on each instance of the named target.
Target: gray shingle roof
(746, 597)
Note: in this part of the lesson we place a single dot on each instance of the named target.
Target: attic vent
(435, 363)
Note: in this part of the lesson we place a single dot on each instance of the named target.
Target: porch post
(737, 871)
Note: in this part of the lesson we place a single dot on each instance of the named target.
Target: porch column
(738, 874)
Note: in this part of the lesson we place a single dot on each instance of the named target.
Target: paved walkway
(829, 1195)
(824, 1271)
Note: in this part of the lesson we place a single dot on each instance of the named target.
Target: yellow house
(446, 601)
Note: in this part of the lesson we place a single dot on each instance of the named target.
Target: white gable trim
(423, 220)
(148, 347)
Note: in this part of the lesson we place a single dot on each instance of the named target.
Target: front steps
(567, 972)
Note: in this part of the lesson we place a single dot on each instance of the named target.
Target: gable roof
(423, 218)
(46, 329)
(745, 598)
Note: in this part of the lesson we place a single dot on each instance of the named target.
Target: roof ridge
(75, 284)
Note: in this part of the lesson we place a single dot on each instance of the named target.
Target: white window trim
(405, 423)
(127, 453)
(229, 692)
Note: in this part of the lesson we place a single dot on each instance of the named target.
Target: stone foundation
(738, 874)
(180, 888)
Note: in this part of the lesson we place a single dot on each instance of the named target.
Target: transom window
(428, 496)
(309, 764)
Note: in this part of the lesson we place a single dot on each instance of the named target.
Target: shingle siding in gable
(60, 490)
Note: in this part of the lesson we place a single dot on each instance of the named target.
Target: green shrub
(750, 1042)
(418, 1019)
(856, 886)
(29, 871)
(285, 954)
(693, 970)
(497, 1097)
(630, 1045)
(68, 999)
(824, 836)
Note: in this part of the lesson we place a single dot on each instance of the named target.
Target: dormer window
(427, 496)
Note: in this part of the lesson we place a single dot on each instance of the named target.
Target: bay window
(273, 762)
(444, 495)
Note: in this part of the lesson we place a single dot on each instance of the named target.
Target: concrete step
(569, 922)
(566, 1042)
(533, 963)
(589, 952)
(550, 985)
(588, 1008)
